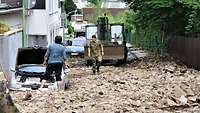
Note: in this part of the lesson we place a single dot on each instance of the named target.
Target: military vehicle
(112, 37)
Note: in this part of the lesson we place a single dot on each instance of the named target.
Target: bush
(3, 27)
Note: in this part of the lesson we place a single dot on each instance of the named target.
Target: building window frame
(53, 7)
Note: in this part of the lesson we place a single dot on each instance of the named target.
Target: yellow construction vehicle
(112, 37)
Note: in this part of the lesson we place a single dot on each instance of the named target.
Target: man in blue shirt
(54, 59)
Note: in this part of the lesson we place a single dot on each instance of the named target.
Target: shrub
(3, 27)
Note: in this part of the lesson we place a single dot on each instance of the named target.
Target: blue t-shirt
(56, 53)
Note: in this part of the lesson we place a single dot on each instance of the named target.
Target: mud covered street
(151, 85)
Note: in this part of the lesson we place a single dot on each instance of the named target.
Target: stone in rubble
(178, 92)
(57, 106)
(192, 99)
(170, 69)
(101, 93)
(187, 90)
(170, 102)
(198, 100)
(137, 103)
(2, 76)
(183, 70)
(27, 96)
(183, 99)
(7, 105)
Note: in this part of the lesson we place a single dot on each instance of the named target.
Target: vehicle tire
(23, 78)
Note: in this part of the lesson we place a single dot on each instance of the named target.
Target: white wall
(37, 23)
(8, 51)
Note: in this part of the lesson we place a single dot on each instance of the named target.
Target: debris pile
(151, 85)
(6, 102)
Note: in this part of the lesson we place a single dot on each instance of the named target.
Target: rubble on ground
(6, 102)
(150, 85)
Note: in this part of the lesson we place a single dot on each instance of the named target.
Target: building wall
(54, 20)
(8, 48)
(37, 23)
(40, 40)
(44, 23)
(76, 18)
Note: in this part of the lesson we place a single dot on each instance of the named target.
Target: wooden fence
(186, 49)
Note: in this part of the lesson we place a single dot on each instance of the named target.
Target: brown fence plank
(186, 49)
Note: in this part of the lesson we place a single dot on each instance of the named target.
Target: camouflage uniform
(95, 52)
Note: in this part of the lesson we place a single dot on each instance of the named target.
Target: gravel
(149, 85)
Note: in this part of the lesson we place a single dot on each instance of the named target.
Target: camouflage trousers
(96, 63)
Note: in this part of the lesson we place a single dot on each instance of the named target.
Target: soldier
(95, 51)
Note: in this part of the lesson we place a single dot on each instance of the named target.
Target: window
(59, 4)
(40, 4)
(50, 6)
(53, 6)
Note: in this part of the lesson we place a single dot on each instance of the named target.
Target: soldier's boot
(98, 66)
(93, 68)
(98, 69)
(94, 72)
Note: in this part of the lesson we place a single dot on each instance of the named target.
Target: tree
(69, 6)
(166, 13)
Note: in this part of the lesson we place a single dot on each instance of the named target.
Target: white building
(43, 22)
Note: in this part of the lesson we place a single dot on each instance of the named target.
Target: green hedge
(151, 40)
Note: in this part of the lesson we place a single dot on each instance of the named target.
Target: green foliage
(98, 11)
(69, 6)
(155, 20)
(150, 39)
(167, 13)
(120, 18)
(193, 16)
(70, 29)
(3, 27)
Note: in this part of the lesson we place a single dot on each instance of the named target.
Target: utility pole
(63, 16)
(27, 5)
(23, 24)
